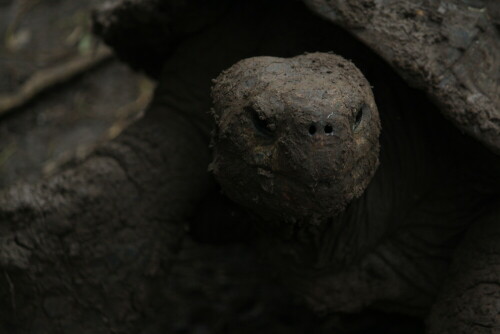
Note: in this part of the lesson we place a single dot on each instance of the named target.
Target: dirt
(296, 138)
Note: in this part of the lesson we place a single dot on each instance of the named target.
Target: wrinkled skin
(299, 136)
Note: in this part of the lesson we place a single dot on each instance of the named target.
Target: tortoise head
(295, 139)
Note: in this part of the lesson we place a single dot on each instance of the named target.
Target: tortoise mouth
(305, 182)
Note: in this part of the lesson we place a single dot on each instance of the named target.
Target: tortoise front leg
(470, 300)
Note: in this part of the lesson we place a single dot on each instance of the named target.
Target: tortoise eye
(359, 117)
(261, 124)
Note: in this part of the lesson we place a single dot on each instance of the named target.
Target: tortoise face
(295, 139)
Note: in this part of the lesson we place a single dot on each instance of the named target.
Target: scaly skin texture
(390, 248)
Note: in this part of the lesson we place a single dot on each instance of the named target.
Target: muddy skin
(297, 138)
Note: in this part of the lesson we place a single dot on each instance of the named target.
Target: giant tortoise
(372, 188)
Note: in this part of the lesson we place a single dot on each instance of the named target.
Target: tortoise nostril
(328, 129)
(312, 129)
